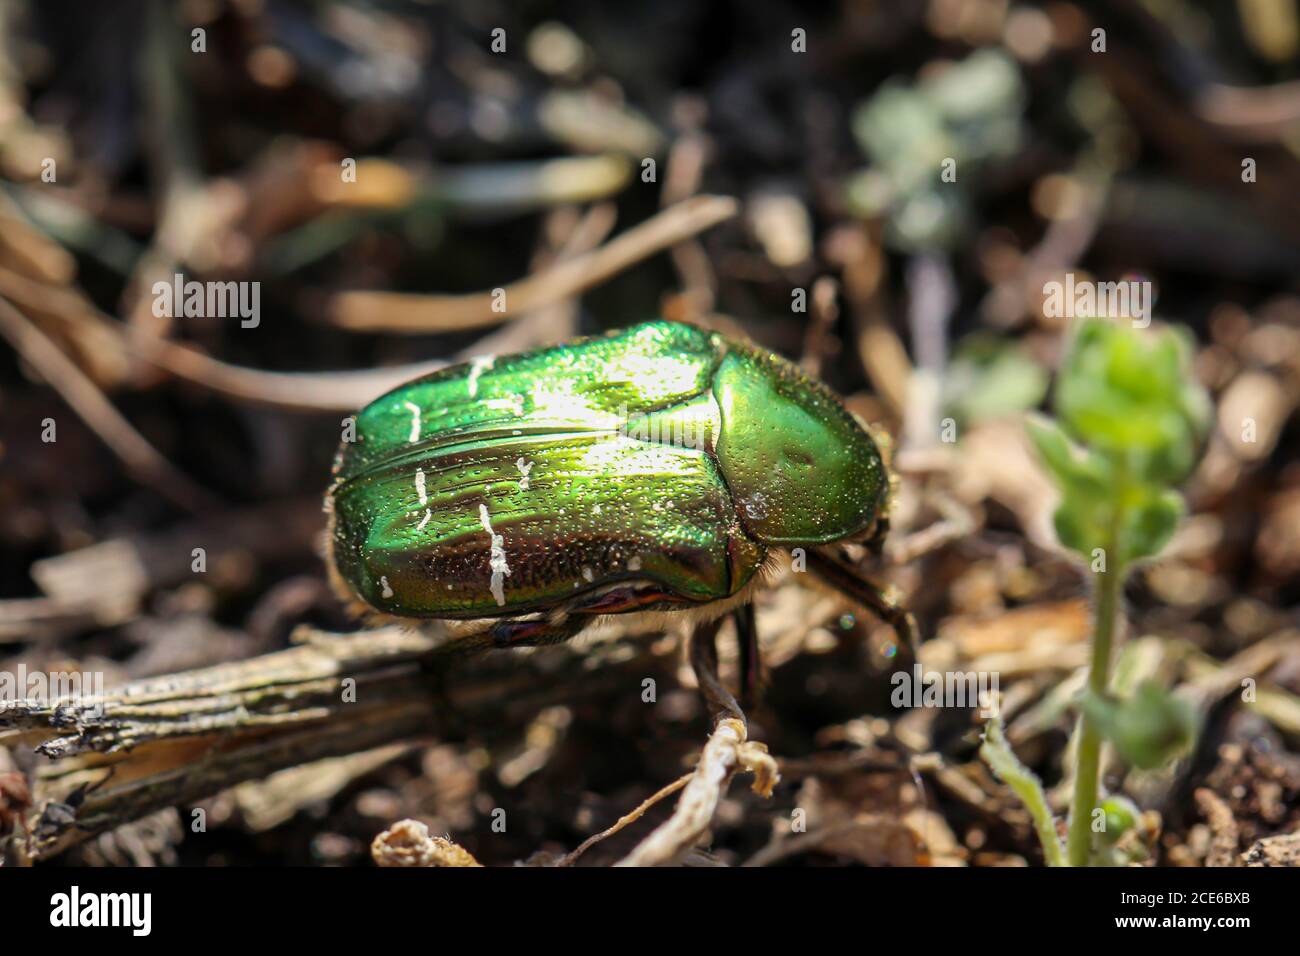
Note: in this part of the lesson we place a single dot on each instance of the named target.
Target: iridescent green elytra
(651, 469)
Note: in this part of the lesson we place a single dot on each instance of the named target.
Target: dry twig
(408, 314)
(177, 739)
(728, 750)
(626, 819)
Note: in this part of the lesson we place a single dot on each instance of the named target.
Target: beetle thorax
(800, 468)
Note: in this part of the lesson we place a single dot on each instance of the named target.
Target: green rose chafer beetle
(658, 469)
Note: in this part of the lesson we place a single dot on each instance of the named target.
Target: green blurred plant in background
(914, 134)
(1130, 423)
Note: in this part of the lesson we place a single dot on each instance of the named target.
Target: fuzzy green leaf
(1131, 395)
(1150, 523)
(997, 753)
(1149, 729)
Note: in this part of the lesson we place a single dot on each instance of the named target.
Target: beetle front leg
(845, 579)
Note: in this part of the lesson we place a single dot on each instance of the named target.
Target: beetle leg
(751, 664)
(535, 633)
(876, 543)
(573, 617)
(704, 661)
(845, 579)
(625, 599)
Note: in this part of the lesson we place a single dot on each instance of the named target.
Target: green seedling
(1130, 424)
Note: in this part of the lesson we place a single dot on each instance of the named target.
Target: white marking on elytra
(524, 468)
(425, 520)
(415, 422)
(419, 486)
(634, 564)
(477, 367)
(388, 592)
(595, 509)
(587, 575)
(515, 403)
(500, 570)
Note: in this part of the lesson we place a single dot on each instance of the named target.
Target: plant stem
(997, 753)
(1088, 758)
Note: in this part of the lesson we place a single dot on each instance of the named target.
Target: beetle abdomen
(520, 525)
(516, 485)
